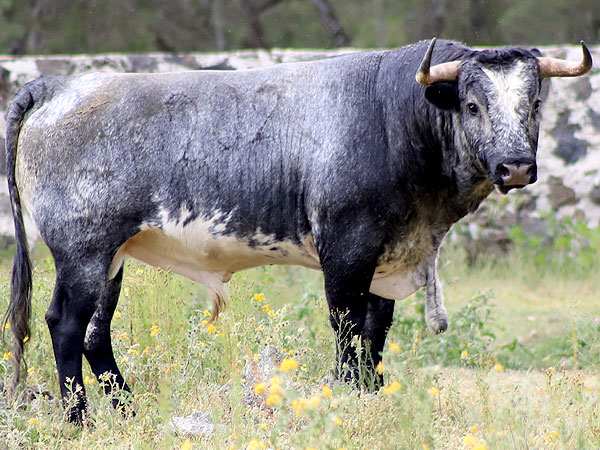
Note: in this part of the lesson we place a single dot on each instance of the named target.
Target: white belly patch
(397, 286)
(199, 251)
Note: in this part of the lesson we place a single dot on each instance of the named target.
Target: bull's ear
(443, 95)
(536, 52)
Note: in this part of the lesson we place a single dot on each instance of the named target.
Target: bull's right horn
(427, 75)
(553, 67)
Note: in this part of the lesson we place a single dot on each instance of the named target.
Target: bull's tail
(19, 307)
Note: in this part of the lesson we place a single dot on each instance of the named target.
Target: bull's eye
(473, 108)
(536, 106)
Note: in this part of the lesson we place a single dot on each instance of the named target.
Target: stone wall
(568, 155)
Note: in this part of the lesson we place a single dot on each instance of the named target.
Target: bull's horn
(427, 75)
(553, 67)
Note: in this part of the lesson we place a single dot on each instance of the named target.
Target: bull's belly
(201, 251)
(397, 285)
(212, 261)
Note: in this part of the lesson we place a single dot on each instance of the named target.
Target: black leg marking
(348, 266)
(78, 289)
(380, 313)
(98, 347)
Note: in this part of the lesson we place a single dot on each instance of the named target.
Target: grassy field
(518, 367)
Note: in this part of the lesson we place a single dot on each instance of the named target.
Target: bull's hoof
(437, 320)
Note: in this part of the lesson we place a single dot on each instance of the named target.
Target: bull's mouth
(506, 189)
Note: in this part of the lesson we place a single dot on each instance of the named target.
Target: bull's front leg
(436, 315)
(348, 264)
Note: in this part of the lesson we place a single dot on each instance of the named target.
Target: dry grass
(501, 395)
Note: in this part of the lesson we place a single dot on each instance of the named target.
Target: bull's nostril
(503, 171)
(532, 171)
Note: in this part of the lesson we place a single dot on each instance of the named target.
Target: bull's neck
(462, 184)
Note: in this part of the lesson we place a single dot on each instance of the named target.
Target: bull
(346, 165)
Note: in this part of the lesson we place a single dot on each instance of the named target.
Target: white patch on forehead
(509, 87)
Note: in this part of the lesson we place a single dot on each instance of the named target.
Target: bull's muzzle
(515, 174)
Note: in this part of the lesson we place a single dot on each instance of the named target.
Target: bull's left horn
(427, 75)
(553, 67)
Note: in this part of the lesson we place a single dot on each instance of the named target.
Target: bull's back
(201, 172)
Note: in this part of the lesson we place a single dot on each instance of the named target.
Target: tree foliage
(92, 26)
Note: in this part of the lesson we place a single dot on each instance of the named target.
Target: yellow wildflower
(310, 448)
(379, 368)
(394, 386)
(133, 351)
(337, 420)
(7, 326)
(211, 328)
(187, 445)
(154, 330)
(266, 308)
(255, 444)
(434, 391)
(26, 339)
(464, 354)
(117, 315)
(314, 401)
(122, 336)
(479, 446)
(159, 347)
(32, 420)
(88, 380)
(273, 399)
(31, 369)
(259, 388)
(271, 313)
(204, 322)
(328, 392)
(470, 440)
(394, 348)
(259, 297)
(275, 388)
(288, 364)
(7, 356)
(297, 407)
(474, 429)
(263, 426)
(498, 367)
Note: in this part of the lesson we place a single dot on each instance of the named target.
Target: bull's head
(495, 94)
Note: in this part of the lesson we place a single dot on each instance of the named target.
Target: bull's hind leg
(97, 346)
(79, 287)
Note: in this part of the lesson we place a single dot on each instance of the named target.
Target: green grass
(516, 369)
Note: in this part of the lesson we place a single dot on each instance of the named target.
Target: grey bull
(347, 165)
